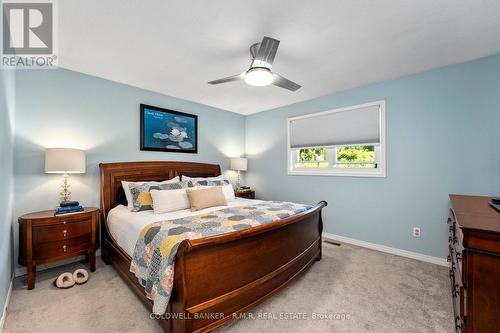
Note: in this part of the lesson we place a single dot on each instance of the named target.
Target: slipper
(64, 281)
(80, 276)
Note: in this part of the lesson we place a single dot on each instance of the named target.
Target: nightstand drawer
(61, 231)
(61, 248)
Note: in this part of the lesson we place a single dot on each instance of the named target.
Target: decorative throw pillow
(227, 190)
(169, 201)
(176, 186)
(206, 197)
(141, 196)
(126, 188)
(210, 182)
(197, 179)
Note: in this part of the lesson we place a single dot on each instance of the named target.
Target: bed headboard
(112, 174)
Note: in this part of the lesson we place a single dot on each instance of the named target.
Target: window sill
(335, 173)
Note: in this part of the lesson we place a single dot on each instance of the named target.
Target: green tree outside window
(346, 156)
(356, 154)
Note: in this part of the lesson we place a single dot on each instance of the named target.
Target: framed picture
(167, 130)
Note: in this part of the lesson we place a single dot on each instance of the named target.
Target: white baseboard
(4, 308)
(20, 271)
(387, 249)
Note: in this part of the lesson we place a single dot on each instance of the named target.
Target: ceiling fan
(259, 73)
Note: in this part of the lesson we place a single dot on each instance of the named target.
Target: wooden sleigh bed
(208, 291)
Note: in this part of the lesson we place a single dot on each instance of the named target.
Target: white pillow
(128, 194)
(165, 201)
(195, 179)
(227, 190)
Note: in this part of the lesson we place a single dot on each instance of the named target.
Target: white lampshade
(239, 164)
(64, 160)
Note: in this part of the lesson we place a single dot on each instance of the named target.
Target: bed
(208, 291)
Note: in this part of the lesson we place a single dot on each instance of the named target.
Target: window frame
(380, 149)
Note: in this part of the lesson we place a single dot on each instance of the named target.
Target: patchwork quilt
(156, 248)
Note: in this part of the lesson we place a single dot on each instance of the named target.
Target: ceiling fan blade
(253, 49)
(282, 82)
(237, 77)
(266, 53)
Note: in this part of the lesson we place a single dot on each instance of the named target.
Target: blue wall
(7, 106)
(62, 108)
(443, 136)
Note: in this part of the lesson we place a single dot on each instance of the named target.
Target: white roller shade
(353, 126)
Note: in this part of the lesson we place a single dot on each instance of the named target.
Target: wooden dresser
(474, 256)
(45, 238)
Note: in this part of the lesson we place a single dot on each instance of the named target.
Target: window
(342, 142)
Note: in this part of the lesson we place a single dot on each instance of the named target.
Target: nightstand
(45, 238)
(246, 195)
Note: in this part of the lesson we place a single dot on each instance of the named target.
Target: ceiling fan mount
(260, 72)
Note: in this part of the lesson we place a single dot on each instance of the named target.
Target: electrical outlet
(416, 232)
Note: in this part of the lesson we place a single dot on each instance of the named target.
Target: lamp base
(238, 181)
(65, 193)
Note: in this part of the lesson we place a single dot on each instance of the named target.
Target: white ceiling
(175, 47)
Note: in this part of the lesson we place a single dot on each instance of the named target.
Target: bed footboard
(217, 278)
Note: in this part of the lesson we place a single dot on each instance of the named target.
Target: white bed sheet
(125, 225)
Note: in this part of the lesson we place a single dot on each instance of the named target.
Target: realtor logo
(28, 32)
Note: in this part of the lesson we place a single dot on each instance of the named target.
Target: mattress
(125, 225)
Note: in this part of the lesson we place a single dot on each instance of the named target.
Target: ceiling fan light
(259, 77)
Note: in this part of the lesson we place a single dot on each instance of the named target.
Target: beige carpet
(361, 291)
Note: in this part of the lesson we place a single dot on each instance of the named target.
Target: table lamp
(239, 164)
(64, 161)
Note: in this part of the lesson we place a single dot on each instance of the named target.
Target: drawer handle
(64, 222)
(65, 233)
(64, 248)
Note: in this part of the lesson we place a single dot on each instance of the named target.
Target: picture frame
(168, 130)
